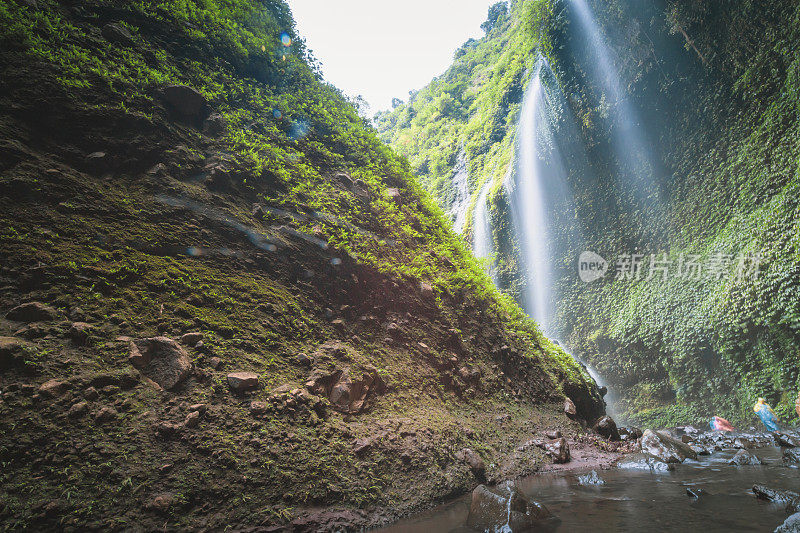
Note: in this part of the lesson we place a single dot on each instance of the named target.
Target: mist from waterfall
(629, 140)
(482, 245)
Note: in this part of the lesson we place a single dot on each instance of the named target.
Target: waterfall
(461, 185)
(482, 229)
(529, 200)
(538, 193)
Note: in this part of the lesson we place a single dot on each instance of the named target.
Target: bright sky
(381, 48)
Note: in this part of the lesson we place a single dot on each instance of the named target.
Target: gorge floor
(633, 500)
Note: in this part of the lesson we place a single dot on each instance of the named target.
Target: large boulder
(786, 440)
(644, 461)
(784, 497)
(791, 456)
(743, 457)
(607, 428)
(664, 447)
(791, 525)
(160, 359)
(32, 312)
(504, 510)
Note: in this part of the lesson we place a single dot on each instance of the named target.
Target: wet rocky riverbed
(714, 492)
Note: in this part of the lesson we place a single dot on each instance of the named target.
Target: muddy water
(637, 501)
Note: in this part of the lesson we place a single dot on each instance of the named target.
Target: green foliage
(496, 12)
(286, 133)
(472, 107)
(717, 86)
(714, 345)
(538, 22)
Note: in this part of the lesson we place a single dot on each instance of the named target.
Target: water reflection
(635, 500)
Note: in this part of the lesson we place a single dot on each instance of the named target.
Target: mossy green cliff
(179, 167)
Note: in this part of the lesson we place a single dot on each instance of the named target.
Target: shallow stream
(633, 500)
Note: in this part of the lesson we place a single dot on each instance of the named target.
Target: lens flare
(277, 114)
(299, 129)
(286, 40)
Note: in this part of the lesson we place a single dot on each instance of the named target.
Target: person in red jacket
(720, 424)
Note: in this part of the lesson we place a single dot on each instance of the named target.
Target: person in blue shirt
(766, 414)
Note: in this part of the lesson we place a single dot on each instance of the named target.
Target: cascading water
(461, 185)
(482, 228)
(537, 190)
(506, 528)
(528, 202)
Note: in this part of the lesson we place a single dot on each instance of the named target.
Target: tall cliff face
(676, 123)
(174, 168)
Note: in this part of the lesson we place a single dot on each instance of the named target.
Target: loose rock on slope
(31, 312)
(10, 349)
(242, 381)
(606, 427)
(348, 391)
(185, 100)
(474, 461)
(558, 450)
(161, 360)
